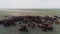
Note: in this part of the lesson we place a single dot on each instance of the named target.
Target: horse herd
(43, 22)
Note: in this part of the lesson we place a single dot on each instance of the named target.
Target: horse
(45, 27)
(23, 29)
(48, 28)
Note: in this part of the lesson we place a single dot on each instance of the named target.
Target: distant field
(31, 12)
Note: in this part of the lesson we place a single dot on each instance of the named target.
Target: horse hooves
(13, 24)
(19, 23)
(6, 25)
(50, 29)
(45, 30)
(26, 30)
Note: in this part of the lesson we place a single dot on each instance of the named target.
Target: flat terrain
(36, 12)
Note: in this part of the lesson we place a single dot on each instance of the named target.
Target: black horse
(23, 29)
(48, 29)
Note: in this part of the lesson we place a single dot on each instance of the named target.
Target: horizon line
(25, 9)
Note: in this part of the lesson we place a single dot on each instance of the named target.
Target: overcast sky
(29, 4)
